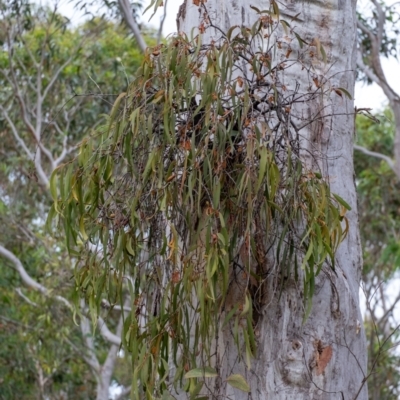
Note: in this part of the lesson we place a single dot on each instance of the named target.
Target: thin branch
(63, 153)
(29, 301)
(365, 29)
(366, 70)
(107, 334)
(16, 323)
(381, 156)
(375, 72)
(88, 337)
(55, 77)
(162, 21)
(14, 130)
(109, 363)
(380, 21)
(130, 21)
(21, 101)
(106, 304)
(380, 81)
(29, 281)
(79, 352)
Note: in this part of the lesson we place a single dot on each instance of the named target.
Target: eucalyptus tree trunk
(323, 357)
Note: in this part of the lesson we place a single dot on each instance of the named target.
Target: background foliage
(41, 348)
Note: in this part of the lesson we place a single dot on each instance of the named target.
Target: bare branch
(106, 304)
(130, 21)
(88, 337)
(387, 90)
(29, 301)
(109, 363)
(381, 20)
(55, 77)
(63, 153)
(107, 334)
(361, 26)
(79, 352)
(27, 279)
(366, 70)
(162, 21)
(381, 156)
(16, 323)
(36, 132)
(14, 130)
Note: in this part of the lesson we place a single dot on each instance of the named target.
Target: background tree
(56, 82)
(377, 38)
(377, 188)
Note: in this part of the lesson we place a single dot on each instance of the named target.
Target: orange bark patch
(324, 356)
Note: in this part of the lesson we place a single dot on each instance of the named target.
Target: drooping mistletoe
(194, 195)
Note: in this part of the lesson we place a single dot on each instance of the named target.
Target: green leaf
(206, 372)
(262, 167)
(342, 202)
(300, 40)
(257, 10)
(275, 8)
(345, 92)
(323, 53)
(238, 382)
(53, 184)
(82, 228)
(115, 109)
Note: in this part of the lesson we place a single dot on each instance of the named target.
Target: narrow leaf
(238, 382)
(206, 372)
(345, 92)
(342, 202)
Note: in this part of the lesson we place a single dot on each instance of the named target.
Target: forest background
(58, 76)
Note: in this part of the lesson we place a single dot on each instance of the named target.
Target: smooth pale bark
(325, 357)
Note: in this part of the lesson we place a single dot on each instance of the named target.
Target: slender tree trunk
(325, 357)
(105, 375)
(395, 106)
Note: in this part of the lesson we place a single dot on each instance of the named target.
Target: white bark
(289, 362)
(107, 369)
(126, 12)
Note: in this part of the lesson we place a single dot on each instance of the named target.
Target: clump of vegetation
(195, 183)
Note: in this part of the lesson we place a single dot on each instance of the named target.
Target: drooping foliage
(195, 195)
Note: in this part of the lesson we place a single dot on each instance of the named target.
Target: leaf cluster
(188, 192)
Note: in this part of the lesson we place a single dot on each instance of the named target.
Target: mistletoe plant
(189, 190)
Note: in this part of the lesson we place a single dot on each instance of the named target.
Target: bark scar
(322, 356)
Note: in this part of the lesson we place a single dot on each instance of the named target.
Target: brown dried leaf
(317, 84)
(202, 27)
(338, 92)
(176, 277)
